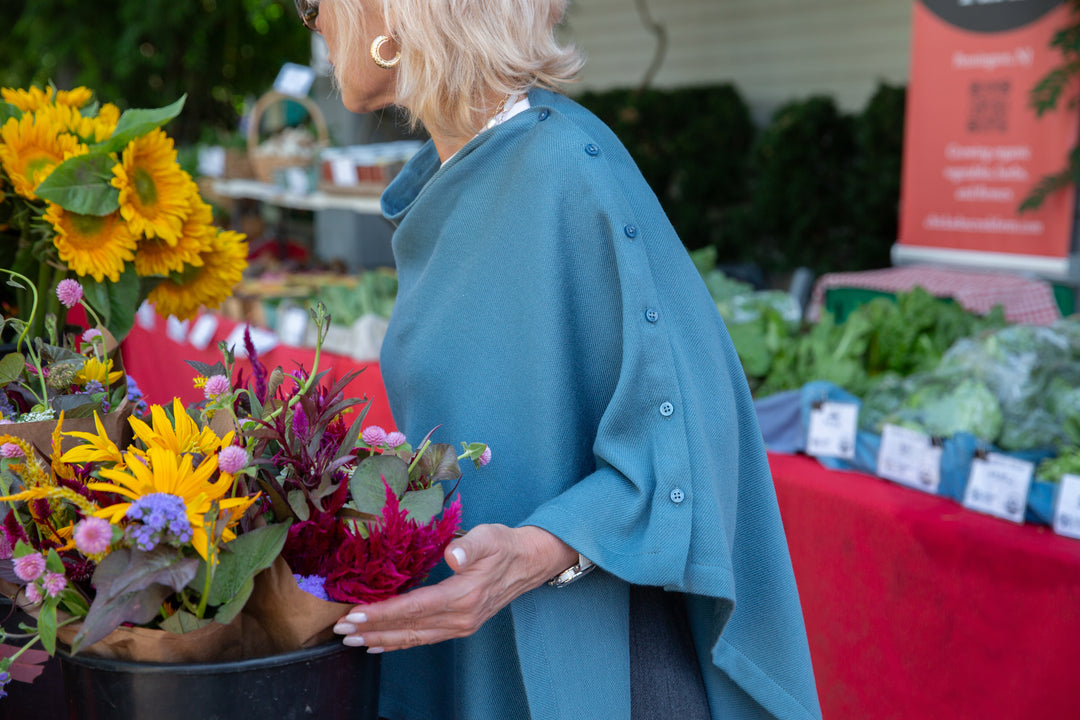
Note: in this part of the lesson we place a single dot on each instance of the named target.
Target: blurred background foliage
(147, 53)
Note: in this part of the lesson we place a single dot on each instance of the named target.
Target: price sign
(832, 430)
(1067, 508)
(343, 171)
(998, 485)
(146, 316)
(176, 329)
(293, 326)
(910, 458)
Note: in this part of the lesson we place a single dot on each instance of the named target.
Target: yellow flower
(34, 98)
(92, 245)
(154, 192)
(87, 129)
(30, 147)
(96, 448)
(166, 471)
(223, 267)
(95, 370)
(181, 435)
(157, 257)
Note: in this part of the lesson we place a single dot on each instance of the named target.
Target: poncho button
(592, 149)
(651, 315)
(544, 114)
(666, 409)
(631, 231)
(677, 496)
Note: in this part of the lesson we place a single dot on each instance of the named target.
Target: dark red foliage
(310, 545)
(398, 554)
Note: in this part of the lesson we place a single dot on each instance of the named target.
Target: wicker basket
(264, 165)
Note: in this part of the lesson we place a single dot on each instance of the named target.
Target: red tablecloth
(918, 608)
(1025, 300)
(158, 364)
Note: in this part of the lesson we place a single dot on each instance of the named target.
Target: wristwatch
(583, 567)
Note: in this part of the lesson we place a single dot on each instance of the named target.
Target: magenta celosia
(397, 554)
(310, 544)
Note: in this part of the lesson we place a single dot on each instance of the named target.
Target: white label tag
(296, 180)
(294, 79)
(292, 326)
(176, 329)
(999, 486)
(343, 171)
(1067, 507)
(910, 458)
(212, 161)
(202, 332)
(832, 430)
(263, 340)
(146, 315)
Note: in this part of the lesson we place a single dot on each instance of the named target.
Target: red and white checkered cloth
(1025, 300)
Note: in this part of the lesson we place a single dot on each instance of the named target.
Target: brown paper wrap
(39, 434)
(211, 643)
(288, 618)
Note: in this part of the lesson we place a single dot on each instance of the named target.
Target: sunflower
(31, 147)
(209, 285)
(157, 257)
(34, 98)
(86, 128)
(92, 245)
(181, 435)
(166, 471)
(154, 192)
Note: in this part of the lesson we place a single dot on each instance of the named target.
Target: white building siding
(772, 50)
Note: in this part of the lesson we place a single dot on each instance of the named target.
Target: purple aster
(70, 292)
(485, 457)
(5, 678)
(93, 536)
(10, 450)
(216, 385)
(93, 386)
(232, 459)
(373, 435)
(395, 439)
(90, 335)
(163, 518)
(312, 585)
(30, 567)
(54, 583)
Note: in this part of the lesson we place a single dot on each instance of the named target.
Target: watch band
(583, 567)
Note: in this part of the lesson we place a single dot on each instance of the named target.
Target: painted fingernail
(344, 628)
(356, 617)
(459, 555)
(374, 650)
(353, 641)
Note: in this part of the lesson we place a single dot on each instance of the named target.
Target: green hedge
(815, 187)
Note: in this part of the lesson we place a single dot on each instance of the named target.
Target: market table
(916, 607)
(157, 359)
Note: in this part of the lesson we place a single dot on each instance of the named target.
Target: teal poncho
(547, 308)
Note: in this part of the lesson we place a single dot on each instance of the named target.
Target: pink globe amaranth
(69, 292)
(485, 457)
(395, 439)
(29, 568)
(373, 435)
(11, 450)
(33, 594)
(216, 385)
(93, 535)
(54, 583)
(232, 459)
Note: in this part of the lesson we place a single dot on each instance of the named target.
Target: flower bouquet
(243, 525)
(94, 194)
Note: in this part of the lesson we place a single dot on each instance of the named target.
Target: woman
(547, 307)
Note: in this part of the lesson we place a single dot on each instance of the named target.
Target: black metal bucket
(328, 682)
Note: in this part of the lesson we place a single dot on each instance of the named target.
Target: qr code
(989, 106)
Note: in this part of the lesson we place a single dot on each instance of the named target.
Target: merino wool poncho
(547, 307)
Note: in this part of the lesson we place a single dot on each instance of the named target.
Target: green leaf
(11, 367)
(298, 503)
(240, 560)
(53, 563)
(439, 462)
(82, 185)
(8, 111)
(182, 621)
(207, 370)
(116, 302)
(46, 626)
(423, 505)
(77, 406)
(228, 611)
(366, 484)
(137, 122)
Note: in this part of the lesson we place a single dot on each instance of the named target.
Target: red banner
(973, 146)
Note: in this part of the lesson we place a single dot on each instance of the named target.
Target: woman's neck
(447, 146)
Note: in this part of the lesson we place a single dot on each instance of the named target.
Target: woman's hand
(492, 564)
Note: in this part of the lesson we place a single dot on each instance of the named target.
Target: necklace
(500, 109)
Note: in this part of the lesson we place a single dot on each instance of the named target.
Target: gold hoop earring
(376, 54)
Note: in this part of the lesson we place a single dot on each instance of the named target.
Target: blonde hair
(457, 54)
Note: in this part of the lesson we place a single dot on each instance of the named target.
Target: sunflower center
(145, 187)
(87, 225)
(39, 164)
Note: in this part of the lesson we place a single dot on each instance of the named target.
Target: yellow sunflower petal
(30, 147)
(92, 245)
(155, 194)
